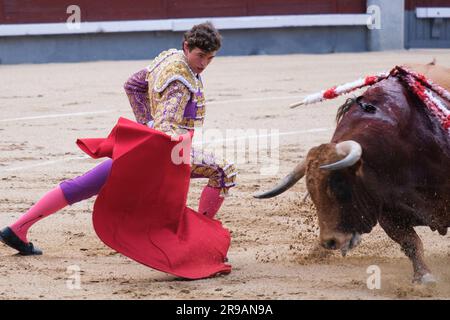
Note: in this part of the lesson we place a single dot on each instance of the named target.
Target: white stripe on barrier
(250, 22)
(442, 12)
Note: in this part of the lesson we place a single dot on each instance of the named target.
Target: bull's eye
(367, 107)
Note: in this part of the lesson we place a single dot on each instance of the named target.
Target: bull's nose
(330, 244)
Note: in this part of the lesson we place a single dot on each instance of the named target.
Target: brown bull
(389, 163)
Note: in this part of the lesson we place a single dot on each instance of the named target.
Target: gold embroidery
(169, 109)
(168, 67)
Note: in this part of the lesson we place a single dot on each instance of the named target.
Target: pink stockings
(210, 201)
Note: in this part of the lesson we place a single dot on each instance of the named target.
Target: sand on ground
(45, 108)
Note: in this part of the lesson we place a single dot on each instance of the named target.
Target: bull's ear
(358, 169)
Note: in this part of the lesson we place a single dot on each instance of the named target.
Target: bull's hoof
(427, 279)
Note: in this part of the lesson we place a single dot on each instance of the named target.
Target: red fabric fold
(141, 211)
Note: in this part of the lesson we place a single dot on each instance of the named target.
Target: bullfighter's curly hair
(203, 36)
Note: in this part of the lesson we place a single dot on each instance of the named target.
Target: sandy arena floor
(273, 241)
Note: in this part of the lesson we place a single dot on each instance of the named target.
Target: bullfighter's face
(198, 59)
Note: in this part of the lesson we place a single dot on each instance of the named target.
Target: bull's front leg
(413, 248)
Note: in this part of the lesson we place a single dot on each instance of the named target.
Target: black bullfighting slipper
(8, 237)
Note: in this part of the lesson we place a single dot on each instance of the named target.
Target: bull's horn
(286, 183)
(351, 150)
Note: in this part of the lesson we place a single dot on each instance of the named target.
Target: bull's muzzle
(343, 242)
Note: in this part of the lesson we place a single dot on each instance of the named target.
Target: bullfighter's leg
(221, 175)
(67, 193)
(413, 248)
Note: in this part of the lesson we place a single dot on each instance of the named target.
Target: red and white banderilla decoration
(418, 84)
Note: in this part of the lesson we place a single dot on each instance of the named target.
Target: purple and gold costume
(169, 97)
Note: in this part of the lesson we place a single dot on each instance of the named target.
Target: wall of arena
(37, 31)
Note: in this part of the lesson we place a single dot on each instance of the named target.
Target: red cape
(141, 210)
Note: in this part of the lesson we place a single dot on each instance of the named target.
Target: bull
(388, 162)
